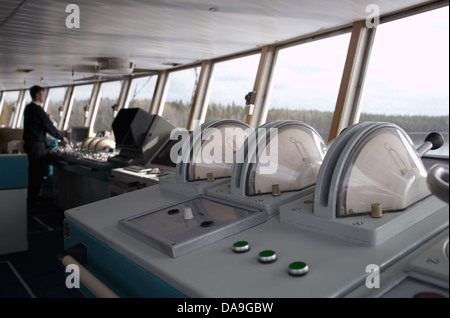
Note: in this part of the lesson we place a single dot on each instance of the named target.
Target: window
(105, 113)
(9, 103)
(306, 82)
(232, 80)
(81, 98)
(141, 92)
(55, 103)
(407, 79)
(179, 96)
(21, 105)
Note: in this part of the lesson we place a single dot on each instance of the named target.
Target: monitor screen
(79, 134)
(131, 126)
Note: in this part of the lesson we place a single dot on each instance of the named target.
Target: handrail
(437, 181)
(89, 280)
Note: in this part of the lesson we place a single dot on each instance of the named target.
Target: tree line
(177, 112)
(320, 120)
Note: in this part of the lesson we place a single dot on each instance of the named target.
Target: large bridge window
(20, 106)
(306, 82)
(81, 98)
(232, 80)
(109, 98)
(408, 78)
(55, 103)
(180, 96)
(141, 92)
(9, 104)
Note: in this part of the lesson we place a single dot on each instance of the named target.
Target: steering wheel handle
(437, 181)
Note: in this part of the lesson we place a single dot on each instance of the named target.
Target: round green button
(298, 268)
(267, 256)
(241, 247)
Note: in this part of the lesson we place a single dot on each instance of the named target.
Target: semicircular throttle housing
(371, 168)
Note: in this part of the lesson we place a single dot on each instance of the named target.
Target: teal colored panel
(13, 172)
(123, 276)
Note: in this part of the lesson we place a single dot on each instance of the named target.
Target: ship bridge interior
(226, 149)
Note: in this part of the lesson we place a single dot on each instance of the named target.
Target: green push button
(267, 256)
(298, 268)
(241, 247)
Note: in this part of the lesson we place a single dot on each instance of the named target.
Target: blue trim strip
(123, 276)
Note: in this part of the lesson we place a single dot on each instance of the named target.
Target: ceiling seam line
(12, 14)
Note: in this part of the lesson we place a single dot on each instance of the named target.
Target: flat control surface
(141, 174)
(336, 267)
(412, 288)
(433, 262)
(180, 228)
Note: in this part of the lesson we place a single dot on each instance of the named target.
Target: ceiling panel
(36, 47)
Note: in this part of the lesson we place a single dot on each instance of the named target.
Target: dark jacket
(36, 124)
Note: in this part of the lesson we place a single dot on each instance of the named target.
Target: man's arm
(49, 127)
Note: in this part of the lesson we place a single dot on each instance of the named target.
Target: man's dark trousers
(36, 164)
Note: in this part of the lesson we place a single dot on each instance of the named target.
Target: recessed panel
(185, 226)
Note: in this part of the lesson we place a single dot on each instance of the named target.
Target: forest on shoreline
(177, 112)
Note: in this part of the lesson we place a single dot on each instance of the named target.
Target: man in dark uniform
(35, 126)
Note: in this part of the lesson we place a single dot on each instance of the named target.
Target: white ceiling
(36, 47)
